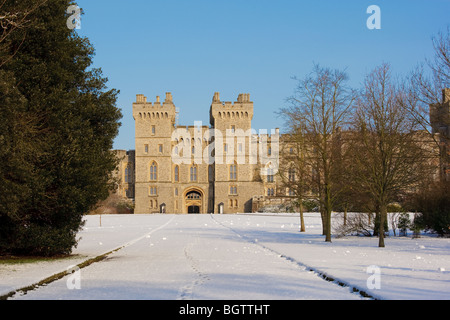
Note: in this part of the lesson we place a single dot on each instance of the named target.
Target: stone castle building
(222, 168)
(226, 182)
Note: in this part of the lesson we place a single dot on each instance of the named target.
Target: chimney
(140, 98)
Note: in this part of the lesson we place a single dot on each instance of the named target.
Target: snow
(239, 257)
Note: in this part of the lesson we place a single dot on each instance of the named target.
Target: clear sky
(194, 48)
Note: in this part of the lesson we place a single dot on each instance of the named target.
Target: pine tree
(73, 132)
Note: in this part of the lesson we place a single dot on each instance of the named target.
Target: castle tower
(234, 171)
(154, 124)
(163, 185)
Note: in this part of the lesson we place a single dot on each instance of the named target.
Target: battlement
(241, 110)
(143, 109)
(242, 98)
(142, 100)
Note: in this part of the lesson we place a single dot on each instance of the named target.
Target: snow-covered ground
(248, 257)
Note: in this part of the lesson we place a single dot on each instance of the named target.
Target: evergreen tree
(71, 164)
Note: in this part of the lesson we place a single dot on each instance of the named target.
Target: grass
(12, 260)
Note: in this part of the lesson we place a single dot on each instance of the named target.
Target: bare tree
(386, 152)
(294, 171)
(320, 106)
(425, 91)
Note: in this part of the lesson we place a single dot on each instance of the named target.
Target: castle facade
(226, 167)
(197, 169)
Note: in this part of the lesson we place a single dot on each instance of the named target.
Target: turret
(152, 116)
(224, 114)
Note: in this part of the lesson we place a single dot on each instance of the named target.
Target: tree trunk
(324, 220)
(328, 231)
(302, 220)
(383, 213)
(345, 215)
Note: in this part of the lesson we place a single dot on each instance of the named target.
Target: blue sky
(194, 48)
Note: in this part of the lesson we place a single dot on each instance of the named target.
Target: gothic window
(233, 172)
(153, 172)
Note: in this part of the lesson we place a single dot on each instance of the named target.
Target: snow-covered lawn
(247, 257)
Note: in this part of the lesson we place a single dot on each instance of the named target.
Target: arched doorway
(193, 201)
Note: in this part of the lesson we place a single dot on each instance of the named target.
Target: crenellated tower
(235, 174)
(154, 123)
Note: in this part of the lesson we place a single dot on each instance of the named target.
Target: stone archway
(193, 201)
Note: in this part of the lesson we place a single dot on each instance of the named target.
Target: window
(177, 174)
(225, 147)
(233, 129)
(269, 151)
(233, 190)
(270, 192)
(269, 175)
(176, 191)
(153, 130)
(127, 175)
(291, 174)
(233, 172)
(193, 173)
(153, 172)
(160, 148)
(240, 147)
(153, 191)
(146, 148)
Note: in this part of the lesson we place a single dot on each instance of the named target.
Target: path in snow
(186, 257)
(244, 257)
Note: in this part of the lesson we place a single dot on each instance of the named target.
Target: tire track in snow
(304, 267)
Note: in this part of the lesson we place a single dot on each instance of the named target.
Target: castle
(223, 168)
(199, 168)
